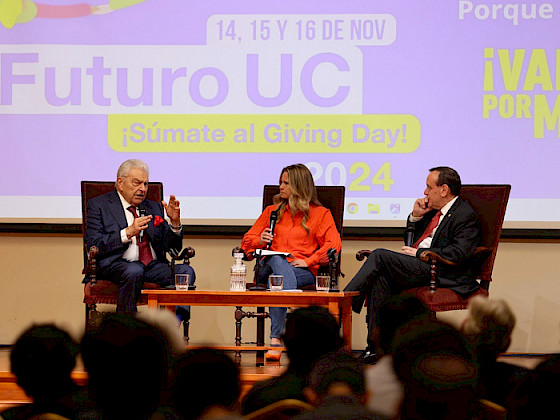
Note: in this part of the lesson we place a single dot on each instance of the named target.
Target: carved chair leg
(87, 316)
(91, 311)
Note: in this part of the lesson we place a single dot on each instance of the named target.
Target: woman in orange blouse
(304, 228)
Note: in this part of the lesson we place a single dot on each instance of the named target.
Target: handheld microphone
(409, 236)
(141, 213)
(273, 218)
(331, 254)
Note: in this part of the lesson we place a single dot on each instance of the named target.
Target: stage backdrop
(218, 95)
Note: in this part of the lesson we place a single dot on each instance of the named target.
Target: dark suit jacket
(106, 219)
(455, 239)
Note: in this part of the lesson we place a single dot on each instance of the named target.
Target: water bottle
(238, 275)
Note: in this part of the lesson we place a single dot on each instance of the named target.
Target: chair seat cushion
(105, 291)
(443, 299)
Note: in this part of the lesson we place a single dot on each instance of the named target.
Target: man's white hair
(127, 165)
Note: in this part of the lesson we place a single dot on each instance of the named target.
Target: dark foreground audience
(127, 361)
(488, 326)
(337, 389)
(535, 397)
(310, 333)
(207, 385)
(42, 360)
(438, 369)
(385, 389)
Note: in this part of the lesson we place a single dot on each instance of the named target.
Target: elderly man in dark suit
(441, 222)
(133, 235)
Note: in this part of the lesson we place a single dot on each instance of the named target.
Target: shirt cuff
(175, 230)
(124, 237)
(414, 219)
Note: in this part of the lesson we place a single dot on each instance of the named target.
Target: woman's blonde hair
(303, 192)
(489, 323)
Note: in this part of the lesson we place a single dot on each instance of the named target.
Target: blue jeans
(294, 277)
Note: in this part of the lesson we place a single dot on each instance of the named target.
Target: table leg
(238, 317)
(334, 309)
(346, 315)
(260, 335)
(152, 301)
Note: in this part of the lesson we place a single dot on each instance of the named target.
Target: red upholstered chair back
(92, 189)
(331, 197)
(489, 202)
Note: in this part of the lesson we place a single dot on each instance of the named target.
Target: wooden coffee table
(339, 305)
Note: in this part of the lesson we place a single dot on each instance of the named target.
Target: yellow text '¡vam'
(523, 72)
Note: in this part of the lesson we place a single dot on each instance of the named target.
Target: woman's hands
(298, 263)
(266, 236)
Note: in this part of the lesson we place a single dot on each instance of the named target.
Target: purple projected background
(441, 64)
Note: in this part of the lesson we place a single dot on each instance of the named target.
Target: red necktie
(144, 251)
(429, 229)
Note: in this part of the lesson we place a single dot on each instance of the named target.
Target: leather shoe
(369, 356)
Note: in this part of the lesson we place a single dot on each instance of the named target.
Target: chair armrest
(430, 256)
(433, 258)
(186, 254)
(363, 253)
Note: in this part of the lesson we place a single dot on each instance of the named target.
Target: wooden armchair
(489, 202)
(101, 291)
(331, 197)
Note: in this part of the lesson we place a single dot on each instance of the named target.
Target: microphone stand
(258, 287)
(333, 257)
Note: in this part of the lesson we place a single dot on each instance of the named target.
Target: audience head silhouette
(337, 389)
(438, 369)
(42, 360)
(488, 325)
(127, 362)
(396, 311)
(310, 332)
(336, 374)
(207, 384)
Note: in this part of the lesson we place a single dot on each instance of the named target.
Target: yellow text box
(264, 133)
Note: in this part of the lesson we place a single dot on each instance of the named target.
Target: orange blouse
(290, 236)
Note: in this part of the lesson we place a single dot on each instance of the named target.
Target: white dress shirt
(133, 252)
(427, 243)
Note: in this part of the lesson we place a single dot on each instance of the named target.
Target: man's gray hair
(129, 164)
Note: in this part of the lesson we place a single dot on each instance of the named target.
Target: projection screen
(217, 96)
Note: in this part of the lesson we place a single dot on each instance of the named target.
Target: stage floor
(11, 393)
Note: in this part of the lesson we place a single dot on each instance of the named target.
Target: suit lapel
(116, 208)
(447, 219)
